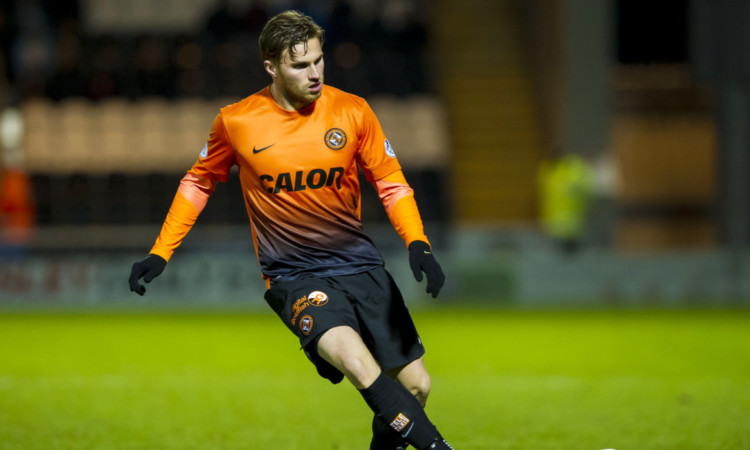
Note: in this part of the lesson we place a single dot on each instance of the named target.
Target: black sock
(401, 411)
(385, 437)
(440, 444)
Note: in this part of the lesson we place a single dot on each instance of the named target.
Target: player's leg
(389, 331)
(343, 348)
(321, 310)
(414, 377)
(384, 437)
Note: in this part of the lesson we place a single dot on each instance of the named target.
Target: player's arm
(379, 163)
(191, 198)
(398, 199)
(192, 195)
(189, 201)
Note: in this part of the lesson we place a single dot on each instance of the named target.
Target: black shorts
(369, 302)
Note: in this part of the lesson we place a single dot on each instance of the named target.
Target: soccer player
(298, 144)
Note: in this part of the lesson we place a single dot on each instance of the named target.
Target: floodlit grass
(501, 380)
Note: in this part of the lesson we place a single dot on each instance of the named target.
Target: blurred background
(562, 152)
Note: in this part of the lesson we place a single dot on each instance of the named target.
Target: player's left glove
(148, 268)
(422, 260)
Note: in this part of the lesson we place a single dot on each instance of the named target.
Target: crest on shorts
(306, 324)
(204, 152)
(335, 138)
(317, 298)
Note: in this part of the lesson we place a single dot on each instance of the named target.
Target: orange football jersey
(299, 175)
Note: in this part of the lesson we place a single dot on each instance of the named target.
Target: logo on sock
(400, 422)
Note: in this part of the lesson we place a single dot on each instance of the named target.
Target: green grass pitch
(502, 379)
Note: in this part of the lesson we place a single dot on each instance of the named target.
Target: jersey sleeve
(399, 203)
(213, 165)
(218, 156)
(187, 205)
(382, 169)
(375, 154)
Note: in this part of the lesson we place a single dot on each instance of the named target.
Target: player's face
(298, 81)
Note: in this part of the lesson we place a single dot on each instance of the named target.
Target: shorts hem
(404, 361)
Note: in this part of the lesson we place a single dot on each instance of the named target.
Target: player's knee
(420, 388)
(344, 349)
(358, 370)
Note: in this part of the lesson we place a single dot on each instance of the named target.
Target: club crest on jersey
(204, 152)
(306, 324)
(335, 138)
(317, 298)
(388, 149)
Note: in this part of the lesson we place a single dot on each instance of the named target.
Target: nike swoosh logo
(261, 149)
(404, 435)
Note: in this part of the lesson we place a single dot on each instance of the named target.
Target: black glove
(149, 268)
(421, 260)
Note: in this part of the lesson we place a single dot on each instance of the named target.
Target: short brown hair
(284, 31)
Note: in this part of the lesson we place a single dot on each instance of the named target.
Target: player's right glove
(148, 268)
(422, 260)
